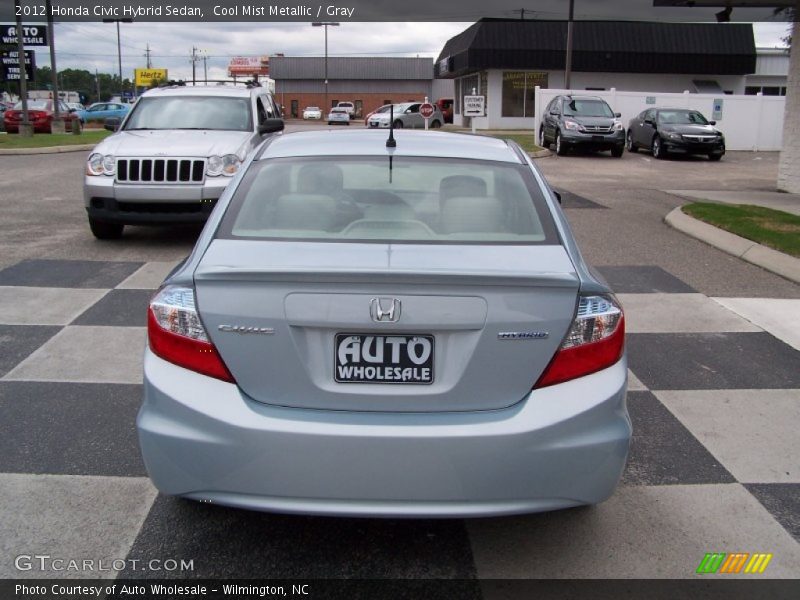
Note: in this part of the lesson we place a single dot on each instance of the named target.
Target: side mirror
(554, 113)
(618, 115)
(649, 122)
(712, 122)
(112, 123)
(270, 126)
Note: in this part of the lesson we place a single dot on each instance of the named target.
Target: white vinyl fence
(748, 122)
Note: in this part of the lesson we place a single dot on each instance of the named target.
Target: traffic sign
(426, 110)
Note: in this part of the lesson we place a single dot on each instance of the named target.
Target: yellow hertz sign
(145, 77)
(736, 562)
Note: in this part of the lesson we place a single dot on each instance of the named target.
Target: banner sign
(146, 77)
(32, 35)
(9, 65)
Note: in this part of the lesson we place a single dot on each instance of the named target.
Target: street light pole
(25, 127)
(119, 50)
(57, 125)
(326, 24)
(568, 66)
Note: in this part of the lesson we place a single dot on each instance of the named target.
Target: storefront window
(519, 90)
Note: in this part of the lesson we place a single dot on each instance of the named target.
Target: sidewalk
(753, 252)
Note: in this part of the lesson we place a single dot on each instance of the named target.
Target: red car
(40, 114)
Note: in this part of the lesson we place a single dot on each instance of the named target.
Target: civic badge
(384, 310)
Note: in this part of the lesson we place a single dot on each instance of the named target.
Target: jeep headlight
(223, 165)
(618, 126)
(109, 164)
(94, 165)
(572, 125)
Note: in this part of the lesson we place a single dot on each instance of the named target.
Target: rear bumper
(561, 446)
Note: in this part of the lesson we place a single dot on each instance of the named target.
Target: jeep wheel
(103, 230)
(617, 151)
(658, 148)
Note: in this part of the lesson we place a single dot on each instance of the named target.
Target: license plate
(597, 138)
(363, 358)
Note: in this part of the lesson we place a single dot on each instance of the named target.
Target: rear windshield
(35, 105)
(681, 117)
(192, 112)
(415, 200)
(587, 108)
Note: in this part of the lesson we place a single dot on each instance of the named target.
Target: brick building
(367, 82)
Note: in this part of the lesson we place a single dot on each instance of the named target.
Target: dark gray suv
(581, 121)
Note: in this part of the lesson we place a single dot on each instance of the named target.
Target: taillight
(595, 341)
(176, 334)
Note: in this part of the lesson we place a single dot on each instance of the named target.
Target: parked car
(338, 115)
(379, 110)
(312, 112)
(407, 115)
(359, 336)
(40, 114)
(587, 122)
(100, 111)
(446, 106)
(351, 108)
(675, 130)
(173, 155)
(76, 106)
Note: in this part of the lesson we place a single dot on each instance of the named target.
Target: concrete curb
(753, 252)
(540, 154)
(46, 150)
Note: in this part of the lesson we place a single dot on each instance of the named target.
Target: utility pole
(568, 66)
(119, 50)
(205, 69)
(326, 24)
(97, 83)
(194, 64)
(25, 127)
(147, 55)
(57, 125)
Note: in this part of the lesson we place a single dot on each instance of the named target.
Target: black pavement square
(235, 543)
(710, 361)
(643, 280)
(69, 428)
(125, 308)
(17, 342)
(782, 500)
(570, 200)
(663, 451)
(68, 273)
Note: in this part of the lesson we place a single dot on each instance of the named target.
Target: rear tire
(561, 148)
(436, 125)
(714, 157)
(617, 151)
(630, 144)
(542, 140)
(103, 230)
(398, 124)
(658, 149)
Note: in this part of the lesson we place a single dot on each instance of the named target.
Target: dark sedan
(40, 114)
(664, 131)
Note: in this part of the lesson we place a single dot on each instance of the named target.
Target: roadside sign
(716, 112)
(474, 106)
(426, 110)
(650, 100)
(9, 65)
(146, 77)
(32, 35)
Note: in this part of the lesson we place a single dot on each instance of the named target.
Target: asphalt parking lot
(714, 397)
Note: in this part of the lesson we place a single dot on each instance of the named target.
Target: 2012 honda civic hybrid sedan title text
(386, 331)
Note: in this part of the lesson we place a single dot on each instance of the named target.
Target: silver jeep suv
(174, 154)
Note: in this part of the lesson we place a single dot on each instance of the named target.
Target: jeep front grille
(597, 128)
(161, 170)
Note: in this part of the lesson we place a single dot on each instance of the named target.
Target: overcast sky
(94, 45)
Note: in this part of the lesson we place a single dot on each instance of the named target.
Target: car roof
(202, 90)
(372, 142)
(583, 97)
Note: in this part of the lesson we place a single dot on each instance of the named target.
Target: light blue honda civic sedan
(370, 329)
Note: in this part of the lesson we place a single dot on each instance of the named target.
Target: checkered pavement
(714, 397)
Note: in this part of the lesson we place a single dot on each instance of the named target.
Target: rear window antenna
(391, 142)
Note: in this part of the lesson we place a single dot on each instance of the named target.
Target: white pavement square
(70, 517)
(86, 354)
(44, 306)
(679, 313)
(781, 317)
(640, 532)
(149, 276)
(753, 433)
